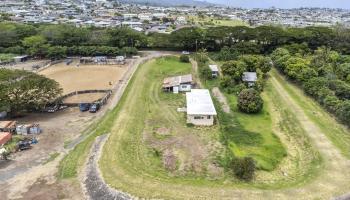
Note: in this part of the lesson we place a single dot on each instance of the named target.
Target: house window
(183, 86)
(198, 117)
(208, 117)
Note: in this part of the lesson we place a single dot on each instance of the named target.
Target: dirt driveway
(24, 167)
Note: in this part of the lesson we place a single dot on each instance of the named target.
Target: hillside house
(214, 71)
(178, 84)
(200, 107)
(250, 78)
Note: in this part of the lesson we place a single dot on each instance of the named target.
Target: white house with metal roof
(200, 107)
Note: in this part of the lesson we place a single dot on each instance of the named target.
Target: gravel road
(94, 186)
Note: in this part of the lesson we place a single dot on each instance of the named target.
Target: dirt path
(222, 99)
(94, 186)
(196, 73)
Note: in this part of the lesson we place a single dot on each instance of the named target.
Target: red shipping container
(5, 137)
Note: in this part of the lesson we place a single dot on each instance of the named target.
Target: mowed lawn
(256, 138)
(132, 158)
(149, 126)
(251, 134)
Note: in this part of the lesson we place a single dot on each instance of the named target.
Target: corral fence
(48, 64)
(102, 100)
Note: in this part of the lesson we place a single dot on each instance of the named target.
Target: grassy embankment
(6, 57)
(337, 133)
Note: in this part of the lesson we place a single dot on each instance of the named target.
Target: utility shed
(250, 78)
(21, 58)
(214, 70)
(178, 84)
(200, 107)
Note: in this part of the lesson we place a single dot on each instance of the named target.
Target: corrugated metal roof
(249, 76)
(177, 80)
(199, 102)
(214, 68)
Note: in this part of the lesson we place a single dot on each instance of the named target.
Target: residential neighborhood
(148, 18)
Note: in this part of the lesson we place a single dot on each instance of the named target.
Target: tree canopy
(23, 91)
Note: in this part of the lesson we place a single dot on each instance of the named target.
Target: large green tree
(234, 69)
(36, 45)
(26, 91)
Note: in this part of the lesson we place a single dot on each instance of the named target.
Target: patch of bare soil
(195, 72)
(42, 190)
(169, 160)
(163, 131)
(88, 97)
(185, 148)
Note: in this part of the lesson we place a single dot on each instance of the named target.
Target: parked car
(23, 145)
(95, 107)
(52, 108)
(84, 107)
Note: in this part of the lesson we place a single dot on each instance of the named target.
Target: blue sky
(285, 3)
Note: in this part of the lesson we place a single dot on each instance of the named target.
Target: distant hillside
(169, 2)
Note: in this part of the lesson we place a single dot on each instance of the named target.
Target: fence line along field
(78, 77)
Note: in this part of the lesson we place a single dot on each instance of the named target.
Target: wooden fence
(102, 100)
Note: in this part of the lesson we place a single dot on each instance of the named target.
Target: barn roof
(199, 102)
(249, 77)
(177, 80)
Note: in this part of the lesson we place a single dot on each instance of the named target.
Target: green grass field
(145, 125)
(6, 57)
(130, 159)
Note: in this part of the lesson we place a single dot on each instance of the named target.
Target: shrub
(205, 72)
(249, 101)
(341, 89)
(184, 59)
(227, 84)
(244, 168)
(343, 112)
(238, 88)
(331, 102)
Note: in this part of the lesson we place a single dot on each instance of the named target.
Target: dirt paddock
(88, 97)
(76, 77)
